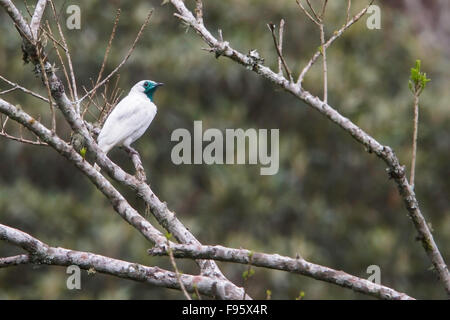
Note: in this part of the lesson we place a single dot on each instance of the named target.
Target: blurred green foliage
(330, 201)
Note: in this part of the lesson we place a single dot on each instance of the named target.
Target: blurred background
(330, 201)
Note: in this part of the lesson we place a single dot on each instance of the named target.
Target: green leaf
(300, 296)
(417, 80)
(83, 152)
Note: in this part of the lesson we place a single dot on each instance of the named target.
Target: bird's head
(147, 87)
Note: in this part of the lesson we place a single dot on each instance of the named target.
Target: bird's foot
(136, 158)
(133, 152)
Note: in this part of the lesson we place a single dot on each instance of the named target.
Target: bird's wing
(130, 114)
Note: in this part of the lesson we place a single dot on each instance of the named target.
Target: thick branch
(17, 17)
(41, 253)
(275, 261)
(36, 19)
(14, 260)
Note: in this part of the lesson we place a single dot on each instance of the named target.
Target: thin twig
(313, 11)
(199, 297)
(280, 46)
(50, 35)
(335, 36)
(14, 260)
(46, 82)
(271, 27)
(248, 274)
(306, 12)
(105, 57)
(130, 51)
(108, 48)
(395, 170)
(21, 139)
(174, 265)
(349, 4)
(55, 42)
(38, 142)
(23, 89)
(87, 110)
(324, 55)
(319, 21)
(322, 14)
(414, 145)
(69, 59)
(9, 90)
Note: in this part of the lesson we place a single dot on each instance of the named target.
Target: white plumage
(130, 118)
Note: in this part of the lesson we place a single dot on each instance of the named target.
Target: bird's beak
(159, 84)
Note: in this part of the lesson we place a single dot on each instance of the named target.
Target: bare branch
(349, 4)
(69, 59)
(136, 159)
(55, 42)
(17, 17)
(322, 14)
(337, 34)
(46, 82)
(105, 58)
(275, 261)
(159, 209)
(280, 45)
(312, 10)
(278, 48)
(174, 265)
(395, 170)
(22, 140)
(414, 144)
(313, 19)
(36, 19)
(108, 47)
(117, 200)
(14, 260)
(130, 51)
(16, 86)
(199, 10)
(41, 253)
(325, 68)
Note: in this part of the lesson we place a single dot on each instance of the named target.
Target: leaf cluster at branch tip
(417, 80)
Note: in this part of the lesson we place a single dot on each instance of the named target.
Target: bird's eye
(146, 84)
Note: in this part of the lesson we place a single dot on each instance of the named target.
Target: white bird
(130, 118)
